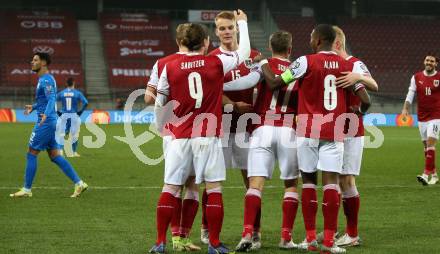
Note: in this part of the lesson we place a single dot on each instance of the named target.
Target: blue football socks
(31, 169)
(68, 170)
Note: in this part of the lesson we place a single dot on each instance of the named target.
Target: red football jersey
(428, 96)
(244, 95)
(158, 68)
(352, 99)
(279, 107)
(320, 102)
(196, 83)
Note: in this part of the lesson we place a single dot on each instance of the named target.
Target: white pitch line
(160, 187)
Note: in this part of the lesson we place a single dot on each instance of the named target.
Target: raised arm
(244, 47)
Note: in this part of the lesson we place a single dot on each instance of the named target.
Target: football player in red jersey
(320, 130)
(272, 138)
(186, 210)
(194, 87)
(426, 85)
(235, 153)
(353, 144)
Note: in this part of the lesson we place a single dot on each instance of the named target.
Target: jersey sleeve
(82, 98)
(361, 68)
(296, 70)
(50, 93)
(229, 61)
(244, 82)
(154, 77)
(411, 90)
(163, 88)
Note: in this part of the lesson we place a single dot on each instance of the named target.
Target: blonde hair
(225, 15)
(340, 35)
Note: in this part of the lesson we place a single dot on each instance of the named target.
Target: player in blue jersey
(43, 134)
(70, 98)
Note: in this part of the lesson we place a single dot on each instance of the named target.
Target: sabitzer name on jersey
(191, 65)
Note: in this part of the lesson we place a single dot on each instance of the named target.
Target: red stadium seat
(27, 32)
(132, 43)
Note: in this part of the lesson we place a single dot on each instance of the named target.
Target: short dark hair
(325, 33)
(194, 36)
(280, 41)
(43, 56)
(70, 82)
(433, 55)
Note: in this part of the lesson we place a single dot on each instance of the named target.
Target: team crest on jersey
(48, 89)
(248, 63)
(295, 65)
(436, 82)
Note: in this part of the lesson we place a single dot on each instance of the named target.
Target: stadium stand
(300, 27)
(26, 32)
(392, 64)
(132, 43)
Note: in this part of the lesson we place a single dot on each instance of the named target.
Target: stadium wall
(136, 117)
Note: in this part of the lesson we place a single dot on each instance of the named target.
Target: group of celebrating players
(232, 108)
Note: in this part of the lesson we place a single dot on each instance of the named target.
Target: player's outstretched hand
(347, 79)
(27, 109)
(242, 107)
(240, 15)
(43, 119)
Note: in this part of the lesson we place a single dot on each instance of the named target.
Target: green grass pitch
(117, 214)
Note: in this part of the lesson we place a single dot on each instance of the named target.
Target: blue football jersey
(46, 97)
(69, 99)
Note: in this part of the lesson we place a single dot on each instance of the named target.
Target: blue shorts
(43, 137)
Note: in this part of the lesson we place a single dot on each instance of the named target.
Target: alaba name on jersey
(278, 107)
(352, 99)
(320, 102)
(196, 84)
(244, 95)
(428, 95)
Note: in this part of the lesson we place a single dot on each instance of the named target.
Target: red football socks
(252, 205)
(164, 213)
(290, 206)
(330, 208)
(190, 206)
(214, 215)
(309, 204)
(430, 161)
